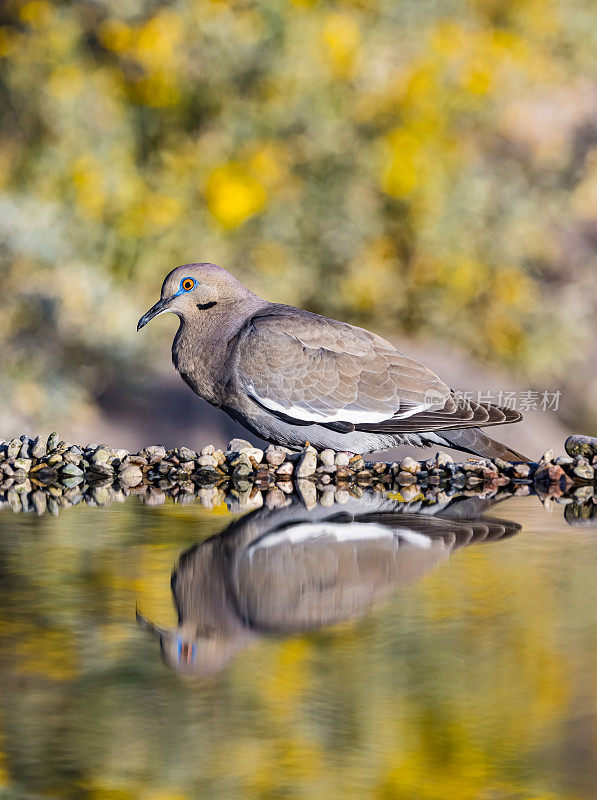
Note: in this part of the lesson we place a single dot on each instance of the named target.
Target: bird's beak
(159, 308)
(148, 626)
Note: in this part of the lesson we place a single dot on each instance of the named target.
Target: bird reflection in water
(282, 571)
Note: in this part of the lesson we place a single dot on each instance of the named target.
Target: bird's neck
(202, 344)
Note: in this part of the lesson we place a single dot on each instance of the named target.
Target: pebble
(522, 470)
(307, 492)
(307, 463)
(327, 457)
(71, 469)
(101, 455)
(405, 478)
(13, 449)
(443, 459)
(409, 464)
(275, 455)
(207, 461)
(53, 440)
(583, 470)
(131, 476)
(342, 459)
(186, 454)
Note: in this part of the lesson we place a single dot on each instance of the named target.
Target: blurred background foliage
(426, 168)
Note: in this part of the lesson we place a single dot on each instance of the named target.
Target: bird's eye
(187, 284)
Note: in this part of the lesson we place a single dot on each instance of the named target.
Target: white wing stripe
(308, 415)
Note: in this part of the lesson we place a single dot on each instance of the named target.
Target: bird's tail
(473, 440)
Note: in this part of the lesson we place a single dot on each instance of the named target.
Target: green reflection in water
(476, 681)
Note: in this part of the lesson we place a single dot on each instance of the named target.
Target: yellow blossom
(342, 40)
(233, 195)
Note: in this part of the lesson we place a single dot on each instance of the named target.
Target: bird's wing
(312, 369)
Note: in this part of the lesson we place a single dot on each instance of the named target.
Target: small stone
(238, 445)
(154, 453)
(356, 463)
(475, 467)
(25, 445)
(101, 470)
(71, 482)
(100, 456)
(503, 466)
(327, 497)
(71, 469)
(275, 498)
(275, 455)
(219, 457)
(53, 507)
(327, 457)
(307, 463)
(555, 473)
(409, 464)
(242, 459)
(581, 446)
(405, 478)
(53, 440)
(72, 458)
(208, 450)
(121, 454)
(343, 473)
(186, 454)
(20, 476)
(443, 459)
(522, 470)
(410, 493)
(101, 495)
(564, 461)
(307, 493)
(342, 459)
(342, 496)
(547, 456)
(14, 448)
(326, 470)
(131, 476)
(285, 486)
(38, 500)
(285, 469)
(55, 459)
(584, 471)
(23, 463)
(137, 459)
(206, 461)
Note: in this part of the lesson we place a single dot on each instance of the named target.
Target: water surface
(359, 650)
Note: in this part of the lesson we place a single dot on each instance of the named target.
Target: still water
(369, 650)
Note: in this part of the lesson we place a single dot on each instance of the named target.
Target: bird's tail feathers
(474, 441)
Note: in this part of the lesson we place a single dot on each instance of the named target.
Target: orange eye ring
(187, 284)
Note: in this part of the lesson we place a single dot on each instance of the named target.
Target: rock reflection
(281, 571)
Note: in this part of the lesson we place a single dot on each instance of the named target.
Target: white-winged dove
(291, 376)
(286, 570)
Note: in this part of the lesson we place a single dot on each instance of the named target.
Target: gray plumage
(291, 376)
(288, 570)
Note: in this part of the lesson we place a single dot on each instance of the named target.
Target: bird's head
(195, 289)
(188, 651)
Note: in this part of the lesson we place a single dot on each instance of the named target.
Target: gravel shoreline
(45, 475)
